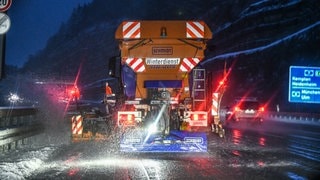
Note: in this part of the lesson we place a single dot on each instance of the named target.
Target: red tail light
(236, 108)
(73, 92)
(261, 109)
(130, 117)
(126, 119)
(197, 117)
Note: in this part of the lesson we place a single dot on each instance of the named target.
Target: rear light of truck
(194, 117)
(198, 117)
(126, 119)
(261, 109)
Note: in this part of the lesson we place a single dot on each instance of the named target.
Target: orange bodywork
(162, 50)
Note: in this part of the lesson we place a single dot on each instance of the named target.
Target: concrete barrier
(294, 117)
(285, 116)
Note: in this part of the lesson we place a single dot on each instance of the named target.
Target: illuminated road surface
(248, 152)
(270, 151)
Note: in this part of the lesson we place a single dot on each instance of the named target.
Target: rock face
(261, 43)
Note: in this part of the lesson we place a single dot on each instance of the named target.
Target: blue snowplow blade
(176, 141)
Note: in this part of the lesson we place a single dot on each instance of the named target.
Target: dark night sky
(32, 23)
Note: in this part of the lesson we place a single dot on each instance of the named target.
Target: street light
(14, 98)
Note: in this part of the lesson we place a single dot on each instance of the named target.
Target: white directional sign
(4, 23)
(304, 84)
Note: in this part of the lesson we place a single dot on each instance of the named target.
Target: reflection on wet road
(270, 151)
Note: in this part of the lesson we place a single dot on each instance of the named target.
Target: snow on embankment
(262, 48)
(20, 164)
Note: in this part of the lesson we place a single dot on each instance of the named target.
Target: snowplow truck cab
(165, 91)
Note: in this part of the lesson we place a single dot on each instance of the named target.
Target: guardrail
(294, 117)
(16, 125)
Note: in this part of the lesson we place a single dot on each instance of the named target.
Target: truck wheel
(212, 127)
(222, 133)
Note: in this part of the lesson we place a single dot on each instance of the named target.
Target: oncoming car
(249, 110)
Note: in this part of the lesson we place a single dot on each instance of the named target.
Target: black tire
(221, 133)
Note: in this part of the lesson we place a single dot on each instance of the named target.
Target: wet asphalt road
(272, 150)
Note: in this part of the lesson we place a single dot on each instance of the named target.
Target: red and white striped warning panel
(195, 29)
(136, 64)
(131, 30)
(214, 109)
(77, 127)
(188, 63)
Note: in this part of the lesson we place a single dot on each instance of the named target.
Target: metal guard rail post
(16, 125)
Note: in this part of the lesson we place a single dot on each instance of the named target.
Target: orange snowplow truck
(162, 86)
(162, 50)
